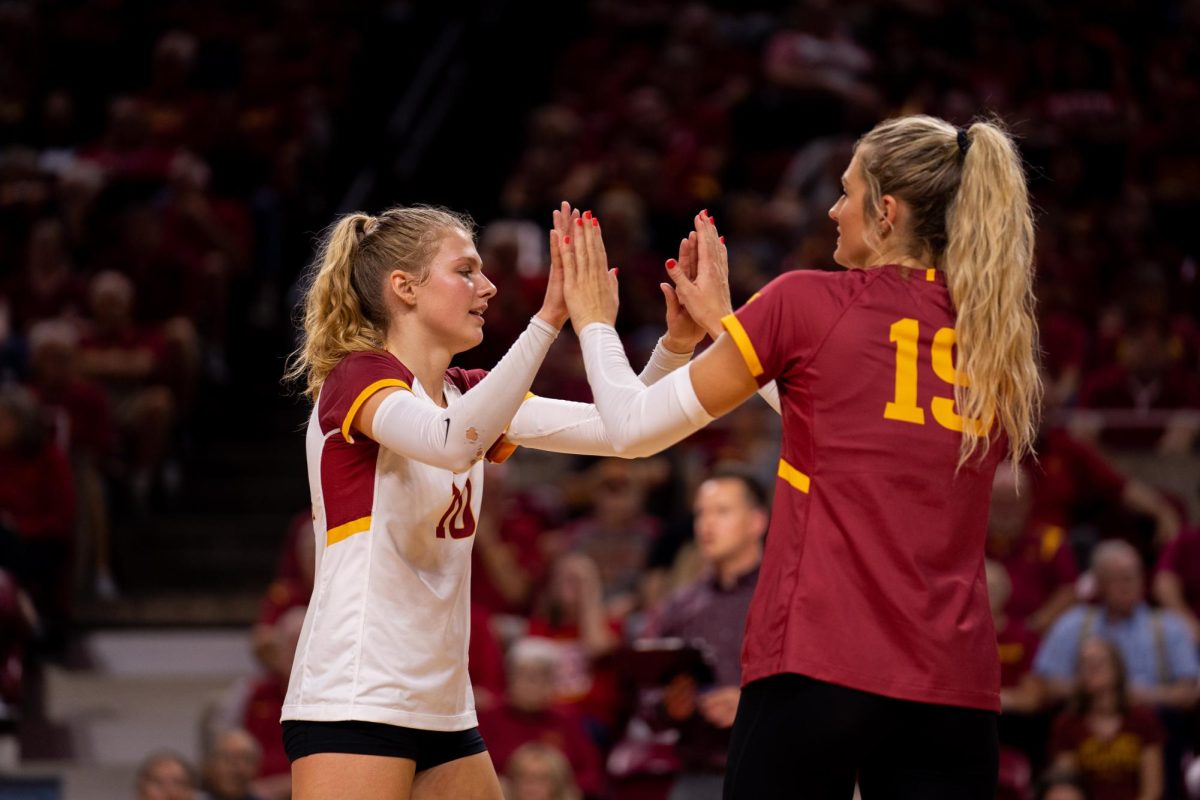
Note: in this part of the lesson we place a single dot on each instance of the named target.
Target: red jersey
(1111, 766)
(873, 573)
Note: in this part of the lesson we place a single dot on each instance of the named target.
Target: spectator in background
(1036, 556)
(1177, 579)
(730, 522)
(537, 771)
(1061, 785)
(81, 424)
(231, 764)
(262, 707)
(49, 287)
(1156, 646)
(37, 507)
(165, 775)
(571, 611)
(618, 534)
(1071, 475)
(127, 360)
(1116, 745)
(1017, 646)
(529, 714)
(291, 589)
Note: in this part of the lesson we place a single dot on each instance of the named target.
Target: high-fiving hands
(701, 275)
(589, 286)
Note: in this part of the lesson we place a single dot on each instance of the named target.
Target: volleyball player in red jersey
(869, 651)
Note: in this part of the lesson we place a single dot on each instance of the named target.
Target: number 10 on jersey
(905, 335)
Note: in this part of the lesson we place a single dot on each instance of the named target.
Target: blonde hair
(344, 306)
(971, 215)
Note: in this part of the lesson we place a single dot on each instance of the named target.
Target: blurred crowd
(146, 214)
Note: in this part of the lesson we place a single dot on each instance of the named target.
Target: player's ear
(889, 209)
(403, 286)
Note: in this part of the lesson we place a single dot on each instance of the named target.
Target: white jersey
(386, 633)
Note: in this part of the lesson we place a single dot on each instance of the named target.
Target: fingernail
(587, 215)
(671, 263)
(579, 222)
(713, 220)
(616, 271)
(567, 239)
(722, 240)
(595, 222)
(703, 213)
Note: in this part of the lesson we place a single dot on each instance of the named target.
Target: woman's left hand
(683, 332)
(589, 285)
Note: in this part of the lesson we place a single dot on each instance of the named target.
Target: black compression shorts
(428, 748)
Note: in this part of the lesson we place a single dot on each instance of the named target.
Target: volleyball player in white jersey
(379, 702)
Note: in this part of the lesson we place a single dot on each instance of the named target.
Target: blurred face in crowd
(533, 776)
(1097, 670)
(852, 251)
(111, 300)
(452, 299)
(531, 685)
(1011, 500)
(1119, 581)
(728, 525)
(618, 496)
(1065, 792)
(52, 363)
(999, 587)
(232, 765)
(166, 779)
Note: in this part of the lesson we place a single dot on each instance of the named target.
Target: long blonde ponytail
(344, 310)
(971, 216)
(989, 271)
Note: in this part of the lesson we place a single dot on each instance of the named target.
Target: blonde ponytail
(970, 215)
(989, 271)
(344, 310)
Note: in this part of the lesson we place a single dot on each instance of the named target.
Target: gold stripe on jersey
(346, 530)
(931, 275)
(363, 396)
(794, 476)
(736, 332)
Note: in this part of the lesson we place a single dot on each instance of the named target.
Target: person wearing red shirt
(870, 651)
(1115, 745)
(1177, 579)
(37, 507)
(1037, 557)
(529, 714)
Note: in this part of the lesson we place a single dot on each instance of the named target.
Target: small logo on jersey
(446, 438)
(459, 519)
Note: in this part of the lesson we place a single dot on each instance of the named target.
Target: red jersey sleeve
(465, 379)
(352, 382)
(784, 325)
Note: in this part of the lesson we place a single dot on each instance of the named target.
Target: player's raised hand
(683, 332)
(706, 294)
(589, 285)
(554, 306)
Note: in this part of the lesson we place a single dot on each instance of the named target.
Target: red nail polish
(616, 271)
(712, 220)
(587, 215)
(671, 263)
(579, 222)
(722, 240)
(703, 213)
(595, 222)
(567, 239)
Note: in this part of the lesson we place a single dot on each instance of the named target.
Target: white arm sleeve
(561, 426)
(662, 363)
(456, 437)
(639, 420)
(770, 393)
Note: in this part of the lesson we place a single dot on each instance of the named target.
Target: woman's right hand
(706, 296)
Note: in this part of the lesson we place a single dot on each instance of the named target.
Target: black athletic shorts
(803, 739)
(428, 748)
